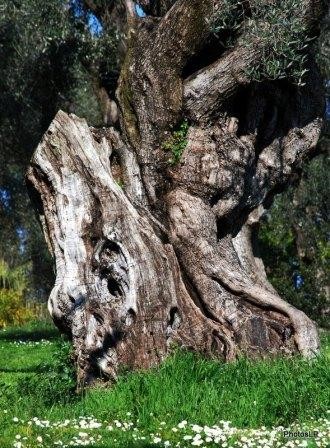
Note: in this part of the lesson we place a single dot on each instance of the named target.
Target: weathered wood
(150, 254)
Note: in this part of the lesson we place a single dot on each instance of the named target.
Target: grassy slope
(185, 387)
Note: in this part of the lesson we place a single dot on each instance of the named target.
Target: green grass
(35, 381)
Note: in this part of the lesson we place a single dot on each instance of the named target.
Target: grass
(36, 382)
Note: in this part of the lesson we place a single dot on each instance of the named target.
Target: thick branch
(151, 103)
(208, 89)
(130, 8)
(174, 39)
(182, 31)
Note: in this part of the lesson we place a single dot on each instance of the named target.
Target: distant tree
(50, 56)
(295, 241)
(296, 234)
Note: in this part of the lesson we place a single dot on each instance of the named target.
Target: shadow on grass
(29, 334)
(40, 368)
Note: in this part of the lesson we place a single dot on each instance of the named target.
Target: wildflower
(83, 434)
(15, 419)
(198, 442)
(95, 424)
(196, 428)
(157, 440)
(39, 439)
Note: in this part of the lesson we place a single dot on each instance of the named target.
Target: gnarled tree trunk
(150, 253)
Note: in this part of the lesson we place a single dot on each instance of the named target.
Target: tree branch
(182, 31)
(206, 90)
(174, 39)
(130, 8)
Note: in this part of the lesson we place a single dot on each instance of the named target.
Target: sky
(4, 197)
(139, 11)
(93, 23)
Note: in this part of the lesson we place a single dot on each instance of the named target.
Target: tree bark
(150, 254)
